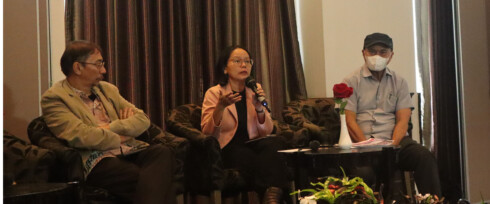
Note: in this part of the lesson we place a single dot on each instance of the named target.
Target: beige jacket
(229, 122)
(68, 118)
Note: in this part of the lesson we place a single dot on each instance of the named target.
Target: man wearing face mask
(381, 107)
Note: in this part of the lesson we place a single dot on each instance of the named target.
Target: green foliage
(334, 188)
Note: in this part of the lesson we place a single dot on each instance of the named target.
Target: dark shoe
(273, 195)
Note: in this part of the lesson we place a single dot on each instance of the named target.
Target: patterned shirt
(95, 106)
(376, 102)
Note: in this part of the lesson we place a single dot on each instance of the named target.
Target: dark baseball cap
(378, 38)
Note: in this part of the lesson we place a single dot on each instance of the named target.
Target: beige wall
(333, 34)
(29, 49)
(25, 62)
(57, 41)
(476, 95)
(310, 26)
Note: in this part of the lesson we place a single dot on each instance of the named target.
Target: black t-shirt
(241, 134)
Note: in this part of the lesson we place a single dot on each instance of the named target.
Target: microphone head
(314, 145)
(250, 82)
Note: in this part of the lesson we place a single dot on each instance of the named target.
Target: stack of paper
(373, 142)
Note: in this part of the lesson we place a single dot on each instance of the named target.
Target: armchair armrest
(293, 114)
(185, 121)
(294, 136)
(186, 130)
(180, 146)
(155, 135)
(69, 162)
(204, 167)
(24, 162)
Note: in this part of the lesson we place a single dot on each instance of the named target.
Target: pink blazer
(229, 122)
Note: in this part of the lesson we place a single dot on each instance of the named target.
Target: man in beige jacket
(94, 118)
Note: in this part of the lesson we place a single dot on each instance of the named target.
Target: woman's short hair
(222, 62)
(77, 51)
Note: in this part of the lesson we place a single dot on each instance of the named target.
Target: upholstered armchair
(69, 162)
(318, 115)
(24, 162)
(204, 169)
(205, 173)
(26, 174)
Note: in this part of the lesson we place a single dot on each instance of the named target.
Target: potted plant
(337, 191)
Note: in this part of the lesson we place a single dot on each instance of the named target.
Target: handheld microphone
(250, 83)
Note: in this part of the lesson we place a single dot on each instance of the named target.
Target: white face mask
(376, 62)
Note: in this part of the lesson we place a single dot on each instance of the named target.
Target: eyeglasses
(381, 52)
(98, 64)
(249, 62)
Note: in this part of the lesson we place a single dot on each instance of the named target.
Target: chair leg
(215, 197)
(188, 198)
(273, 195)
(294, 198)
(229, 200)
(253, 197)
(408, 184)
(180, 198)
(239, 199)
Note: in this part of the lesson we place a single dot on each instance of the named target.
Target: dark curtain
(447, 132)
(161, 53)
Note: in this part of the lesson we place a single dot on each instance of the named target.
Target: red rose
(342, 90)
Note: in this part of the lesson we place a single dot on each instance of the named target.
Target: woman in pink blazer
(232, 113)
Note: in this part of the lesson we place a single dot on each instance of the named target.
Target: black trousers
(144, 177)
(259, 162)
(414, 157)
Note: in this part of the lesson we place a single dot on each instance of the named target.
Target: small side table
(40, 193)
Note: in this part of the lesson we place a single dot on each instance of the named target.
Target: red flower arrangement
(340, 92)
